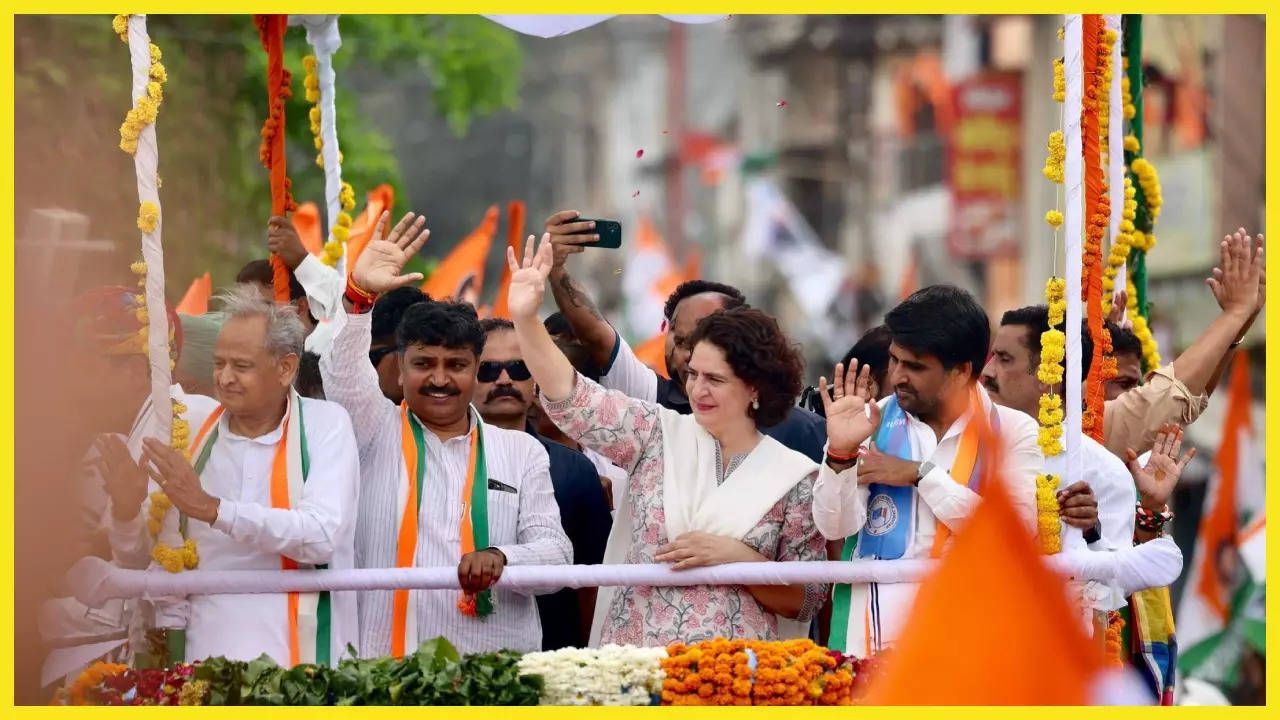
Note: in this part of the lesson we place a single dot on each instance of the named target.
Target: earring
(755, 403)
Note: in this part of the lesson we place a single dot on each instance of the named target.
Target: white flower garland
(611, 675)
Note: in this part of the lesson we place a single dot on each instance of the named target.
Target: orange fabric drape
(306, 220)
(379, 200)
(271, 29)
(515, 231)
(1032, 650)
(465, 263)
(196, 300)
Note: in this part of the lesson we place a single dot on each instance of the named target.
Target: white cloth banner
(776, 233)
(548, 26)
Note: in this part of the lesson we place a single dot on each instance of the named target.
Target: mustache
(991, 385)
(505, 391)
(445, 389)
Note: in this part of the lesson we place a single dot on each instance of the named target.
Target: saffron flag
(515, 229)
(653, 352)
(306, 220)
(196, 301)
(646, 268)
(380, 199)
(1220, 611)
(460, 274)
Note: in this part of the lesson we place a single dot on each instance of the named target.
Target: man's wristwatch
(925, 468)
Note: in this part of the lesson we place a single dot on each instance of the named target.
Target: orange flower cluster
(91, 678)
(1115, 626)
(720, 672)
(1097, 51)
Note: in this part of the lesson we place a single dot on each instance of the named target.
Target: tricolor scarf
(309, 614)
(475, 524)
(890, 522)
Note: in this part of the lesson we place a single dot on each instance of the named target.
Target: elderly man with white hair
(272, 483)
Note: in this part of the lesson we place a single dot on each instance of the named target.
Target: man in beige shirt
(1179, 392)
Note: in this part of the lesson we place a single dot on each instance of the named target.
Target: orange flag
(515, 231)
(306, 220)
(461, 274)
(196, 301)
(380, 199)
(653, 352)
(993, 625)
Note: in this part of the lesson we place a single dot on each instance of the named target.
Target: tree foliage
(71, 87)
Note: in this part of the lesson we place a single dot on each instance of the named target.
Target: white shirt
(840, 503)
(524, 525)
(249, 534)
(616, 475)
(324, 287)
(627, 374)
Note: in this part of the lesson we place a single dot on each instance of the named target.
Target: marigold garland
(1047, 514)
(1120, 246)
(1114, 640)
(1053, 164)
(172, 559)
(148, 217)
(92, 677)
(719, 672)
(146, 108)
(1096, 52)
(1059, 80)
(341, 231)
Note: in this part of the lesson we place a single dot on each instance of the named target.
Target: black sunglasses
(490, 370)
(376, 355)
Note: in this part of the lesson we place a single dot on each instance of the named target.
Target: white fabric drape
(1115, 142)
(1073, 172)
(548, 26)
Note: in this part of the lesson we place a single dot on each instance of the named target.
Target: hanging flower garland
(146, 108)
(1148, 198)
(1095, 51)
(341, 231)
(1120, 246)
(1114, 640)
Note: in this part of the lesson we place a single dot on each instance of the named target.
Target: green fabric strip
(480, 512)
(419, 444)
(840, 599)
(324, 611)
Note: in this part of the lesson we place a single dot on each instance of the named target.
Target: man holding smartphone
(802, 430)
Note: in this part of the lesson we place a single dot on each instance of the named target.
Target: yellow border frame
(7, 658)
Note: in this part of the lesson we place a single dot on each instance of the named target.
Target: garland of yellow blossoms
(719, 672)
(147, 108)
(341, 231)
(1052, 346)
(1149, 181)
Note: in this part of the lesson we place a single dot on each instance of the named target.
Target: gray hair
(285, 332)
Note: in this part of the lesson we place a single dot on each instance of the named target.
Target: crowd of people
(366, 425)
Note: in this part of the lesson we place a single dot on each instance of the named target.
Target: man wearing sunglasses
(504, 392)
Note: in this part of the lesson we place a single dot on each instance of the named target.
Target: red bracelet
(361, 301)
(844, 458)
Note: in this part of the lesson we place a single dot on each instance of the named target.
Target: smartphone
(610, 232)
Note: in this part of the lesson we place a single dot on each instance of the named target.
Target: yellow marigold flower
(309, 63)
(148, 217)
(344, 219)
(158, 72)
(155, 52)
(318, 142)
(1054, 218)
(1131, 143)
(155, 91)
(138, 268)
(153, 527)
(341, 234)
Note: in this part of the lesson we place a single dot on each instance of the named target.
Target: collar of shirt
(269, 438)
(958, 425)
(473, 418)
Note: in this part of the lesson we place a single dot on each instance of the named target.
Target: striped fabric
(524, 525)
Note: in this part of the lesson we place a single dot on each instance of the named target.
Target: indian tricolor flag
(1215, 619)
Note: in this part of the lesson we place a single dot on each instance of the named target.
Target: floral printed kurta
(629, 433)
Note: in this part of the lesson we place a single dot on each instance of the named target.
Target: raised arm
(1235, 246)
(589, 326)
(349, 378)
(551, 369)
(322, 283)
(1236, 286)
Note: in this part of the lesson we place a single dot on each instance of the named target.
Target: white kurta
(249, 534)
(840, 510)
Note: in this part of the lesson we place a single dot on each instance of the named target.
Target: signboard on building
(984, 165)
